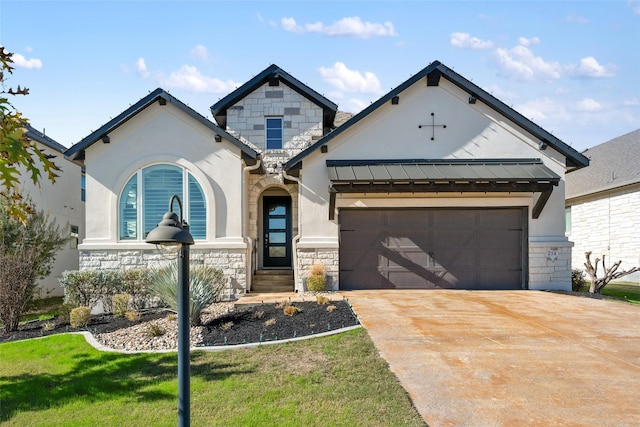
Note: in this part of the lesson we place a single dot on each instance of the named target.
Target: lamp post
(174, 231)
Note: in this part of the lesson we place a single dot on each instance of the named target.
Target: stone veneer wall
(550, 265)
(231, 261)
(610, 225)
(327, 256)
(302, 122)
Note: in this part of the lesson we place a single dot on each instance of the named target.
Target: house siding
(607, 223)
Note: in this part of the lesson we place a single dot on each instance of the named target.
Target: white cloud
(633, 102)
(350, 27)
(577, 19)
(465, 41)
(589, 67)
(141, 67)
(199, 52)
(21, 62)
(543, 109)
(523, 41)
(342, 78)
(520, 63)
(588, 105)
(190, 79)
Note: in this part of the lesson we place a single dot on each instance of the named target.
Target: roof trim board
(433, 73)
(35, 135)
(219, 109)
(76, 152)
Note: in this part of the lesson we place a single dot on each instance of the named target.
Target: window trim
(139, 203)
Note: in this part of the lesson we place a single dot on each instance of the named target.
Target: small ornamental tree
(18, 155)
(27, 252)
(612, 273)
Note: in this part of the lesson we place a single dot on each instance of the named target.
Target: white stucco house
(63, 201)
(436, 185)
(603, 204)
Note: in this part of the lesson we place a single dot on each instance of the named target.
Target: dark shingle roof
(433, 72)
(35, 135)
(76, 152)
(219, 109)
(613, 164)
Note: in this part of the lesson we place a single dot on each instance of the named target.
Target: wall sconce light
(324, 149)
(106, 139)
(543, 145)
(218, 138)
(395, 100)
(472, 99)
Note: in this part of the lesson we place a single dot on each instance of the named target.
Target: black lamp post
(174, 231)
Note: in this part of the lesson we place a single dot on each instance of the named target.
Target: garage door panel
(427, 248)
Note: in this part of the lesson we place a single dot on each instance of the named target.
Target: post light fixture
(174, 231)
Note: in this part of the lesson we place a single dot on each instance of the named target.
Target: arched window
(145, 198)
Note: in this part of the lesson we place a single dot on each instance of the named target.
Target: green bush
(64, 312)
(316, 283)
(80, 316)
(578, 282)
(120, 304)
(205, 285)
(136, 283)
(27, 253)
(88, 287)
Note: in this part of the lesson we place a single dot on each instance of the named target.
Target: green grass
(627, 291)
(333, 381)
(42, 309)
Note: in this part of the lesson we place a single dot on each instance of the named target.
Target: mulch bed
(242, 325)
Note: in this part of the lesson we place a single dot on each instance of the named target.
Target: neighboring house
(603, 205)
(63, 201)
(437, 184)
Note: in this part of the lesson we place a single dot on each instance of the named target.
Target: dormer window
(274, 128)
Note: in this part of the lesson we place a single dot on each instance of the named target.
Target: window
(83, 186)
(274, 133)
(567, 219)
(145, 198)
(73, 237)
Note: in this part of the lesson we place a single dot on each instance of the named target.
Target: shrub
(155, 330)
(48, 326)
(27, 252)
(133, 316)
(205, 285)
(578, 282)
(321, 299)
(120, 304)
(317, 279)
(80, 316)
(137, 284)
(270, 322)
(88, 287)
(64, 312)
(291, 310)
(331, 308)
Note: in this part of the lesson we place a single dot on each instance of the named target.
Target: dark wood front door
(277, 231)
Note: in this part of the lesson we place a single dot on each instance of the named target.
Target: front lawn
(627, 291)
(333, 381)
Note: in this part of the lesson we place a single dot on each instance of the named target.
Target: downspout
(296, 238)
(245, 223)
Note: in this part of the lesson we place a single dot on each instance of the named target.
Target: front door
(277, 231)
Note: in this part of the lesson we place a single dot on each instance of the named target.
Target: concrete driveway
(509, 358)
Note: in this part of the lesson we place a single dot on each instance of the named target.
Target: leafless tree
(612, 273)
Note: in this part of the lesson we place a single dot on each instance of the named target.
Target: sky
(572, 67)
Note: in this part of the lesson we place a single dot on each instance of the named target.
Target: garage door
(432, 248)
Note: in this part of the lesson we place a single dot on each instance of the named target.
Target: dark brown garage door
(432, 248)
